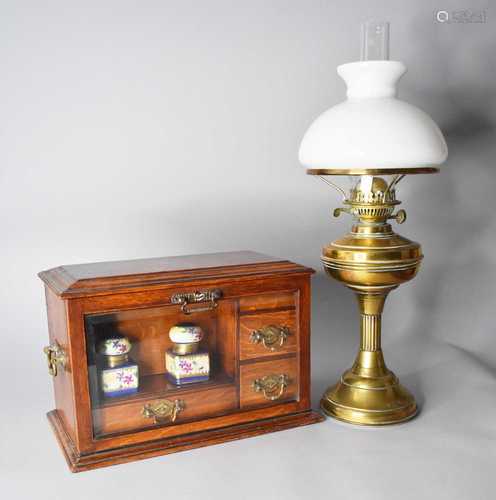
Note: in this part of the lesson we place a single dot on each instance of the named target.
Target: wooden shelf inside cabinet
(157, 386)
(254, 311)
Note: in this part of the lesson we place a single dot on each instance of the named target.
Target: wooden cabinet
(254, 310)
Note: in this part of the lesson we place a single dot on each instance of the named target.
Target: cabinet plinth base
(78, 463)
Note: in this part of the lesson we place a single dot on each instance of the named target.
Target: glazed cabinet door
(160, 366)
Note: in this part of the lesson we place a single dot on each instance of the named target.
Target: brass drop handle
(272, 386)
(272, 336)
(163, 411)
(186, 299)
(56, 357)
(399, 216)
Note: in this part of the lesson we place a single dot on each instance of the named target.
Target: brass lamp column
(372, 260)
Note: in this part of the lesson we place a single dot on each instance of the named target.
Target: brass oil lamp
(376, 139)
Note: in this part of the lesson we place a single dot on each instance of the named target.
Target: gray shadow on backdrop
(472, 134)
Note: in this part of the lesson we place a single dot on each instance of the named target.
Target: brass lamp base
(372, 260)
(365, 400)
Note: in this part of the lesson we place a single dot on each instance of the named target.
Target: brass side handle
(186, 299)
(271, 386)
(272, 337)
(56, 357)
(163, 411)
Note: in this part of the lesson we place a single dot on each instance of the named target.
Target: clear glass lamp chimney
(374, 47)
(375, 41)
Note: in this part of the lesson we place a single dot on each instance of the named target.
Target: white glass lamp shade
(372, 129)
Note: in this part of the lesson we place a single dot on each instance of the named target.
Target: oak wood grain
(253, 322)
(63, 387)
(250, 372)
(202, 403)
(266, 301)
(105, 277)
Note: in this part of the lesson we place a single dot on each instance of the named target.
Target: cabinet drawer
(267, 301)
(269, 382)
(189, 406)
(267, 334)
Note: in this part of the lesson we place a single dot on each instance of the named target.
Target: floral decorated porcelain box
(119, 375)
(185, 363)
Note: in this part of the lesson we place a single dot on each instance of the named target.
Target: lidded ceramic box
(185, 362)
(119, 375)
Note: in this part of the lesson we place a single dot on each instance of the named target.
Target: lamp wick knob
(338, 211)
(399, 216)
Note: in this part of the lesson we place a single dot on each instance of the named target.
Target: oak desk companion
(155, 356)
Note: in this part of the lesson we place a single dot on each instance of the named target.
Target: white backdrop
(140, 129)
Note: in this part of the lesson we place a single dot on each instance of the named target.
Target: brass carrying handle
(272, 386)
(163, 411)
(272, 336)
(191, 310)
(186, 299)
(56, 357)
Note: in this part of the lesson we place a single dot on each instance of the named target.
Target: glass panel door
(155, 366)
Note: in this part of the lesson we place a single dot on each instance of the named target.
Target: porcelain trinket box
(185, 363)
(119, 375)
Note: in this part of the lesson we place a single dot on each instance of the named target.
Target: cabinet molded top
(78, 280)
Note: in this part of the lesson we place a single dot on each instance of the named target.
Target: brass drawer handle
(163, 411)
(56, 357)
(185, 299)
(272, 386)
(272, 337)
